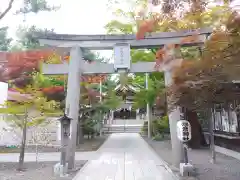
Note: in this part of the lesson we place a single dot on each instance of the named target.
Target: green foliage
(116, 27)
(26, 39)
(142, 55)
(160, 126)
(111, 101)
(36, 6)
(148, 96)
(48, 81)
(88, 127)
(158, 137)
(145, 128)
(5, 42)
(93, 114)
(32, 110)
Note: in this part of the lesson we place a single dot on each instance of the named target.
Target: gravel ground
(34, 171)
(88, 145)
(44, 170)
(226, 168)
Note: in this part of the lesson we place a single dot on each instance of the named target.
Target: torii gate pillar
(72, 100)
(174, 117)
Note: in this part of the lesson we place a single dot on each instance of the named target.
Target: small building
(125, 110)
(226, 125)
(125, 113)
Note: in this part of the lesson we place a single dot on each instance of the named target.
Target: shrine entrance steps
(123, 126)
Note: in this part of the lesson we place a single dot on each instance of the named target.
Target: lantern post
(62, 168)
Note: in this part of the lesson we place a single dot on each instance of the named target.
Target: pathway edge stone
(166, 165)
(88, 162)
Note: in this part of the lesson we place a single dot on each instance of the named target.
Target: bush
(88, 128)
(145, 128)
(158, 137)
(160, 126)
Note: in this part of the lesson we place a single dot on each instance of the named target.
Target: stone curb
(166, 165)
(88, 162)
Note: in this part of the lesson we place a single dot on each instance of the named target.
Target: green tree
(34, 6)
(148, 96)
(92, 114)
(5, 42)
(28, 111)
(26, 39)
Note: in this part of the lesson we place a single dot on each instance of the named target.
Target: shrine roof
(126, 88)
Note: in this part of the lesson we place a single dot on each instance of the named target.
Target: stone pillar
(174, 117)
(72, 100)
(137, 114)
(148, 116)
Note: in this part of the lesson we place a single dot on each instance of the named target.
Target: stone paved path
(125, 157)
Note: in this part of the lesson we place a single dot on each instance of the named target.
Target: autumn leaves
(162, 55)
(200, 82)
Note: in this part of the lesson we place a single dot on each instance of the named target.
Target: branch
(7, 10)
(153, 50)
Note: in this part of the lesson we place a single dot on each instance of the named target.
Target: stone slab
(125, 156)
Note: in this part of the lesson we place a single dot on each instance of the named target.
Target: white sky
(74, 16)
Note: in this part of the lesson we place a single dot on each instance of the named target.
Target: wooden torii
(121, 44)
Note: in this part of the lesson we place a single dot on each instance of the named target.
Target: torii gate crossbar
(77, 67)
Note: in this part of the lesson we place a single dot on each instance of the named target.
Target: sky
(74, 16)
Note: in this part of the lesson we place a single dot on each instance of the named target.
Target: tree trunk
(212, 143)
(80, 132)
(150, 120)
(23, 144)
(198, 138)
(36, 151)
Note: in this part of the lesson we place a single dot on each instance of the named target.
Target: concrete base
(186, 169)
(60, 170)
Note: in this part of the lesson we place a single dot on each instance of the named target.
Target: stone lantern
(65, 126)
(62, 167)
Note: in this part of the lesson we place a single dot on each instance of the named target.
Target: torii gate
(121, 44)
